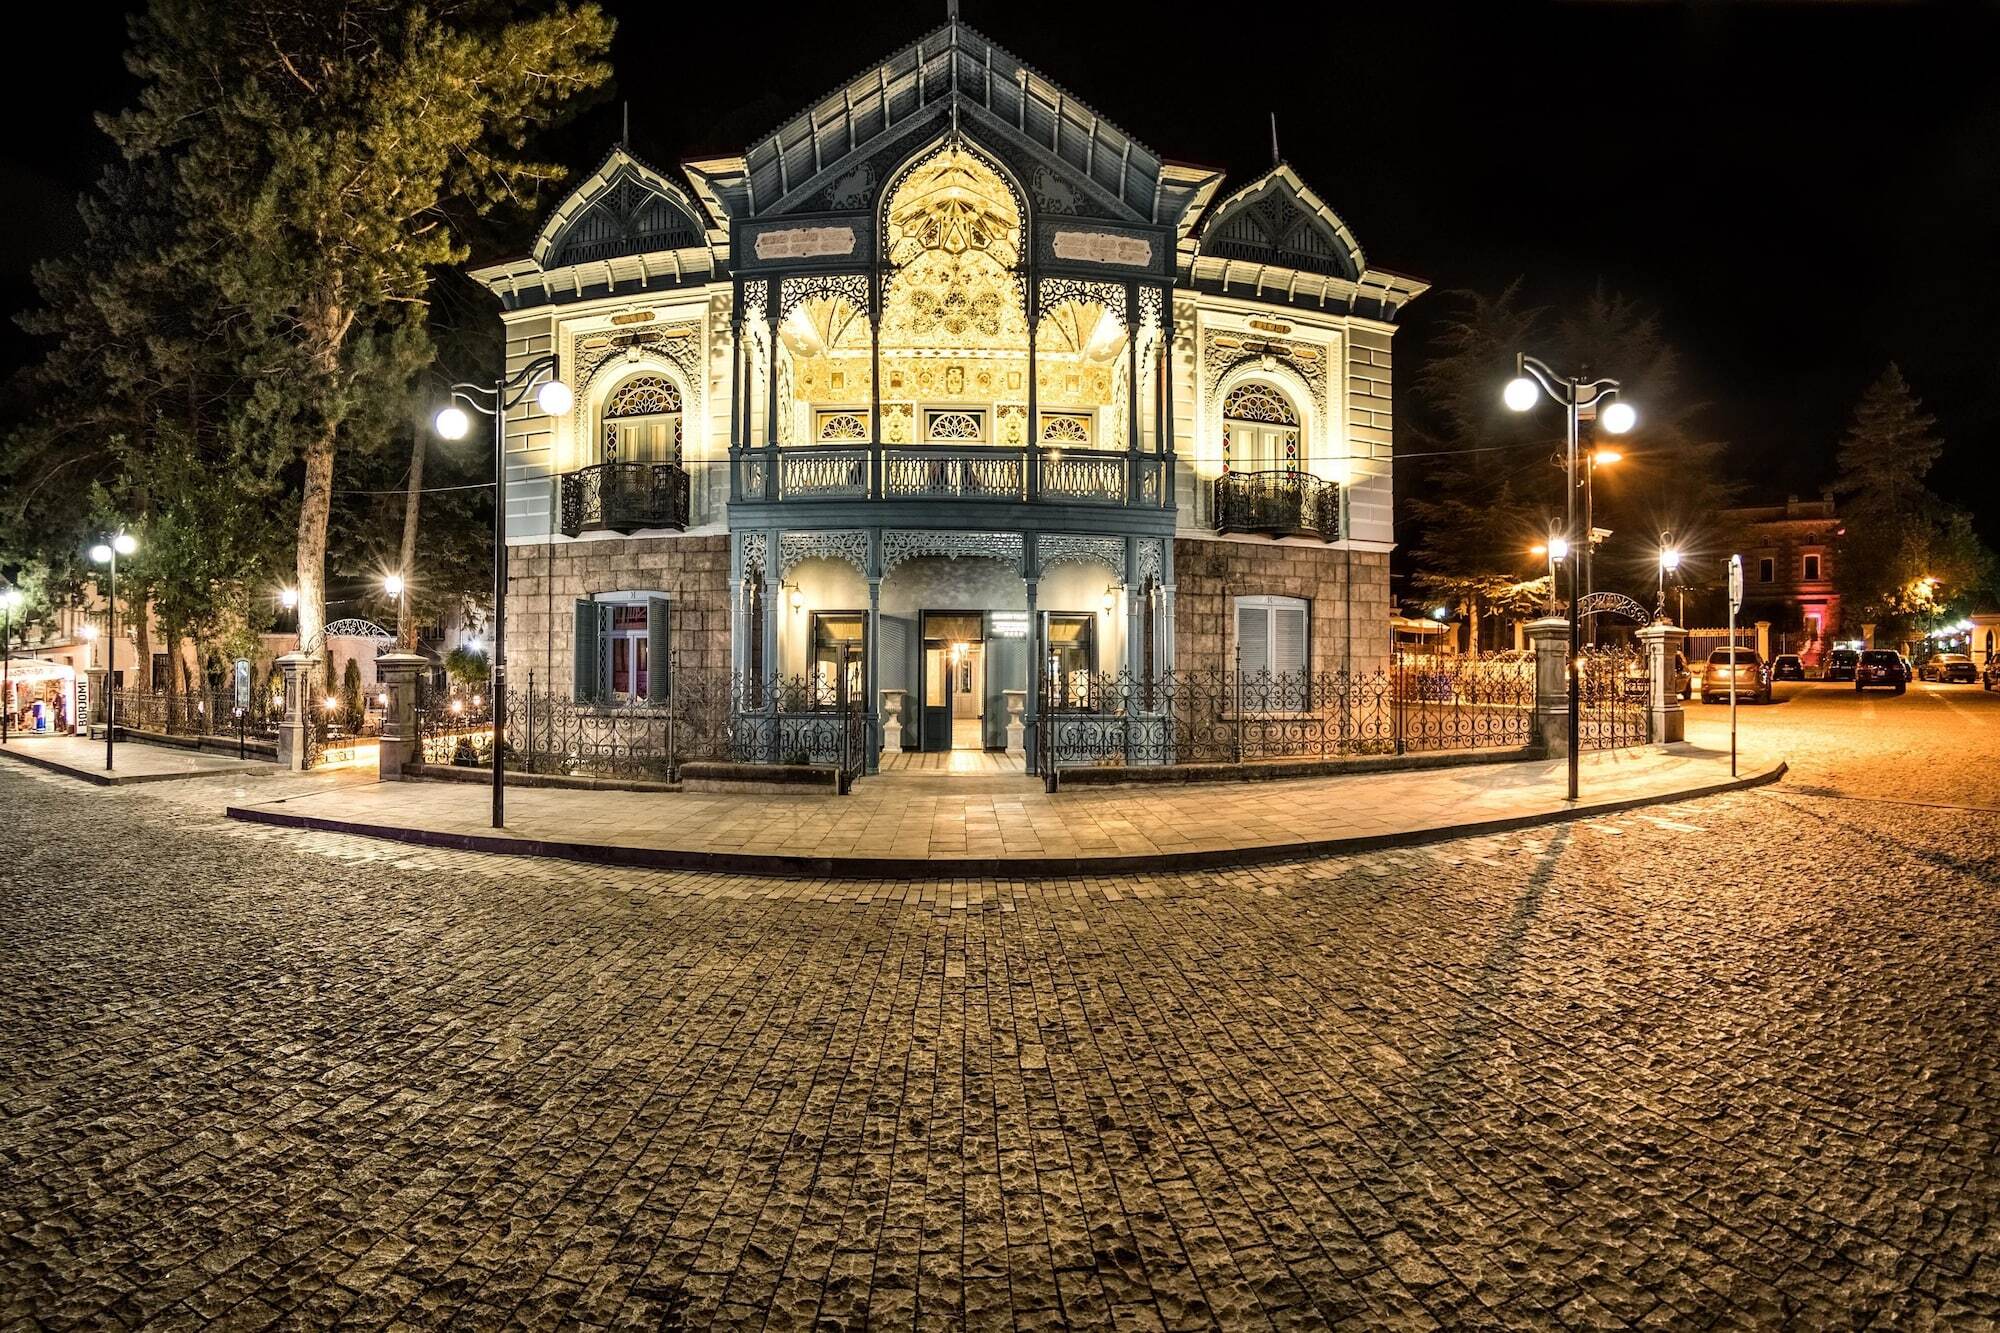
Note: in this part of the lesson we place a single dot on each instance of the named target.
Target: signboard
(1008, 624)
(1735, 583)
(242, 683)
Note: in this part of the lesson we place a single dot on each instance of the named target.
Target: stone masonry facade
(1348, 591)
(546, 581)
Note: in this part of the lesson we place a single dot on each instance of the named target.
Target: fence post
(292, 740)
(1666, 720)
(1549, 638)
(529, 757)
(1399, 680)
(400, 744)
(1239, 715)
(673, 712)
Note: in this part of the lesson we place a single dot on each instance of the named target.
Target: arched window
(642, 422)
(1260, 430)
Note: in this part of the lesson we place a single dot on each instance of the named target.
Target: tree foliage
(1483, 485)
(250, 308)
(1906, 559)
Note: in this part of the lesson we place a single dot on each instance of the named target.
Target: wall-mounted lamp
(1110, 598)
(798, 599)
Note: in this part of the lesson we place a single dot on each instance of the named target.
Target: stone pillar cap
(1660, 629)
(1550, 622)
(397, 657)
(297, 658)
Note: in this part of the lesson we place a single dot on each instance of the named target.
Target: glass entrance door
(954, 645)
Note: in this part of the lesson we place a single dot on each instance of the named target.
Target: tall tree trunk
(138, 615)
(1472, 603)
(315, 505)
(406, 615)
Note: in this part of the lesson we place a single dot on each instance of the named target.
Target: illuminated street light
(1618, 418)
(122, 543)
(392, 584)
(556, 399)
(1577, 396)
(288, 598)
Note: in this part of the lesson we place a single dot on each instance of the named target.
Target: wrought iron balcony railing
(1277, 504)
(624, 497)
(867, 471)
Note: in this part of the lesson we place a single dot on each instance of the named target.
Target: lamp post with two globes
(1532, 379)
(107, 553)
(507, 391)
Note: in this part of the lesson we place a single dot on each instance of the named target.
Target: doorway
(954, 680)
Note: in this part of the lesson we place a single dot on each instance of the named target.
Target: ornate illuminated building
(946, 377)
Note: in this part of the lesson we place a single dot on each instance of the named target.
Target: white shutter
(1253, 639)
(1288, 654)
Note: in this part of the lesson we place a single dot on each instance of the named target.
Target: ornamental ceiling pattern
(953, 232)
(1058, 548)
(898, 546)
(847, 544)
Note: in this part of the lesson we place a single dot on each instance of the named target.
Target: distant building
(1788, 571)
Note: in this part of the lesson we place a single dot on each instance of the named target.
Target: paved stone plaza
(1730, 1062)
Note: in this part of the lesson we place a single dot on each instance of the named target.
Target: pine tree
(1905, 556)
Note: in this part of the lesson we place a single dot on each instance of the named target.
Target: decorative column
(774, 657)
(298, 669)
(1035, 667)
(773, 482)
(401, 747)
(872, 667)
(1548, 637)
(1131, 393)
(1034, 453)
(1666, 720)
(874, 389)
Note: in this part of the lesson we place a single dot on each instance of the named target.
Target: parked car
(1752, 676)
(1992, 677)
(1909, 667)
(1947, 668)
(1840, 664)
(1788, 666)
(1880, 667)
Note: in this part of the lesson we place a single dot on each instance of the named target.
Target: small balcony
(922, 473)
(1278, 504)
(624, 497)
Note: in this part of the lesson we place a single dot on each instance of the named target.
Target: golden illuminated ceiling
(954, 237)
(954, 205)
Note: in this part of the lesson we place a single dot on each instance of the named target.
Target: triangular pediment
(834, 154)
(623, 208)
(1278, 221)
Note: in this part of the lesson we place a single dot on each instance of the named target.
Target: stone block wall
(1348, 590)
(546, 581)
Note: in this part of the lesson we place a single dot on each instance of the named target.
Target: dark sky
(1804, 190)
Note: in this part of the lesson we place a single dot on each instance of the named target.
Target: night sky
(1804, 191)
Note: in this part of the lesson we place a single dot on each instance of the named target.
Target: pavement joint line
(807, 866)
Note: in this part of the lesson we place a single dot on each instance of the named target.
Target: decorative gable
(1277, 221)
(624, 208)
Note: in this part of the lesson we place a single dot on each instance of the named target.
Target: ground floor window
(1271, 644)
(621, 649)
(840, 659)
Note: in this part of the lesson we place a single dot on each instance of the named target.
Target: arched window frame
(1291, 438)
(607, 417)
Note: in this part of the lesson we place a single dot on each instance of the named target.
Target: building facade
(1788, 556)
(948, 390)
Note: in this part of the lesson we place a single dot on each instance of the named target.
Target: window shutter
(586, 650)
(1253, 639)
(659, 644)
(1288, 650)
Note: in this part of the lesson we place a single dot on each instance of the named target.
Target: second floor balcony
(624, 498)
(920, 473)
(1277, 504)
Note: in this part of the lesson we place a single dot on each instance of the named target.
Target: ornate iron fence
(199, 713)
(1614, 685)
(706, 717)
(1233, 717)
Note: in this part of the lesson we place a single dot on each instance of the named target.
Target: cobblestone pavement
(1728, 1063)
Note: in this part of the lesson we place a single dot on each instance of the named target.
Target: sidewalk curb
(100, 779)
(1000, 868)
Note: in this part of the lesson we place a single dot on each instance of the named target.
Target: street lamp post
(506, 391)
(9, 599)
(1670, 563)
(107, 553)
(1532, 379)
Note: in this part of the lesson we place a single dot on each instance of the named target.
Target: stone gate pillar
(1548, 638)
(297, 669)
(1666, 720)
(1764, 641)
(401, 745)
(98, 681)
